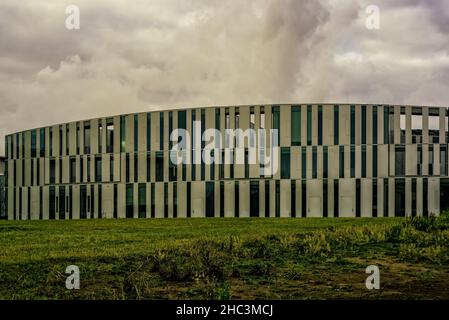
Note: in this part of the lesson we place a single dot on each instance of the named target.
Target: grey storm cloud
(146, 55)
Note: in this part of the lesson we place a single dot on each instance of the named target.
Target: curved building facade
(329, 161)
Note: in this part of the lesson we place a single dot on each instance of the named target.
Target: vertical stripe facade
(334, 161)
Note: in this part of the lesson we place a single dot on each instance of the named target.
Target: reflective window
(341, 150)
(86, 137)
(309, 125)
(352, 125)
(130, 200)
(399, 158)
(320, 125)
(336, 122)
(374, 124)
(296, 125)
(285, 163)
(160, 166)
(363, 125)
(122, 133)
(142, 200)
(136, 133)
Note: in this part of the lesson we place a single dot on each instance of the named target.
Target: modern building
(2, 189)
(335, 161)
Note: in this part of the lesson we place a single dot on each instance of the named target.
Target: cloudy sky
(150, 54)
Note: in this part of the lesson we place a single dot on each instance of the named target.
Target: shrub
(412, 252)
(173, 264)
(316, 244)
(422, 223)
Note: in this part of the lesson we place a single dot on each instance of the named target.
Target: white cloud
(174, 53)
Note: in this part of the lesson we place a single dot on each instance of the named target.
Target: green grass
(225, 258)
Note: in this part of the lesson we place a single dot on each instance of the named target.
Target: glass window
(364, 161)
(52, 171)
(109, 136)
(72, 170)
(210, 197)
(304, 162)
(399, 197)
(293, 199)
(51, 142)
(357, 198)
(87, 137)
(33, 144)
(309, 125)
(100, 136)
(222, 199)
(52, 202)
(88, 169)
(276, 118)
(170, 129)
(149, 131)
(443, 160)
(153, 199)
(254, 198)
(148, 167)
(314, 162)
(336, 122)
(374, 197)
(375, 161)
(352, 124)
(431, 158)
(285, 163)
(130, 200)
(325, 162)
(363, 125)
(98, 169)
(122, 133)
(160, 166)
(336, 199)
(417, 128)
(67, 140)
(262, 118)
(127, 167)
(136, 133)
(434, 133)
(172, 170)
(78, 137)
(386, 124)
(111, 167)
(303, 198)
(161, 131)
(142, 200)
(342, 161)
(83, 200)
(296, 125)
(374, 124)
(352, 161)
(400, 160)
(320, 125)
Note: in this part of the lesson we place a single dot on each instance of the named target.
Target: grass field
(226, 258)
